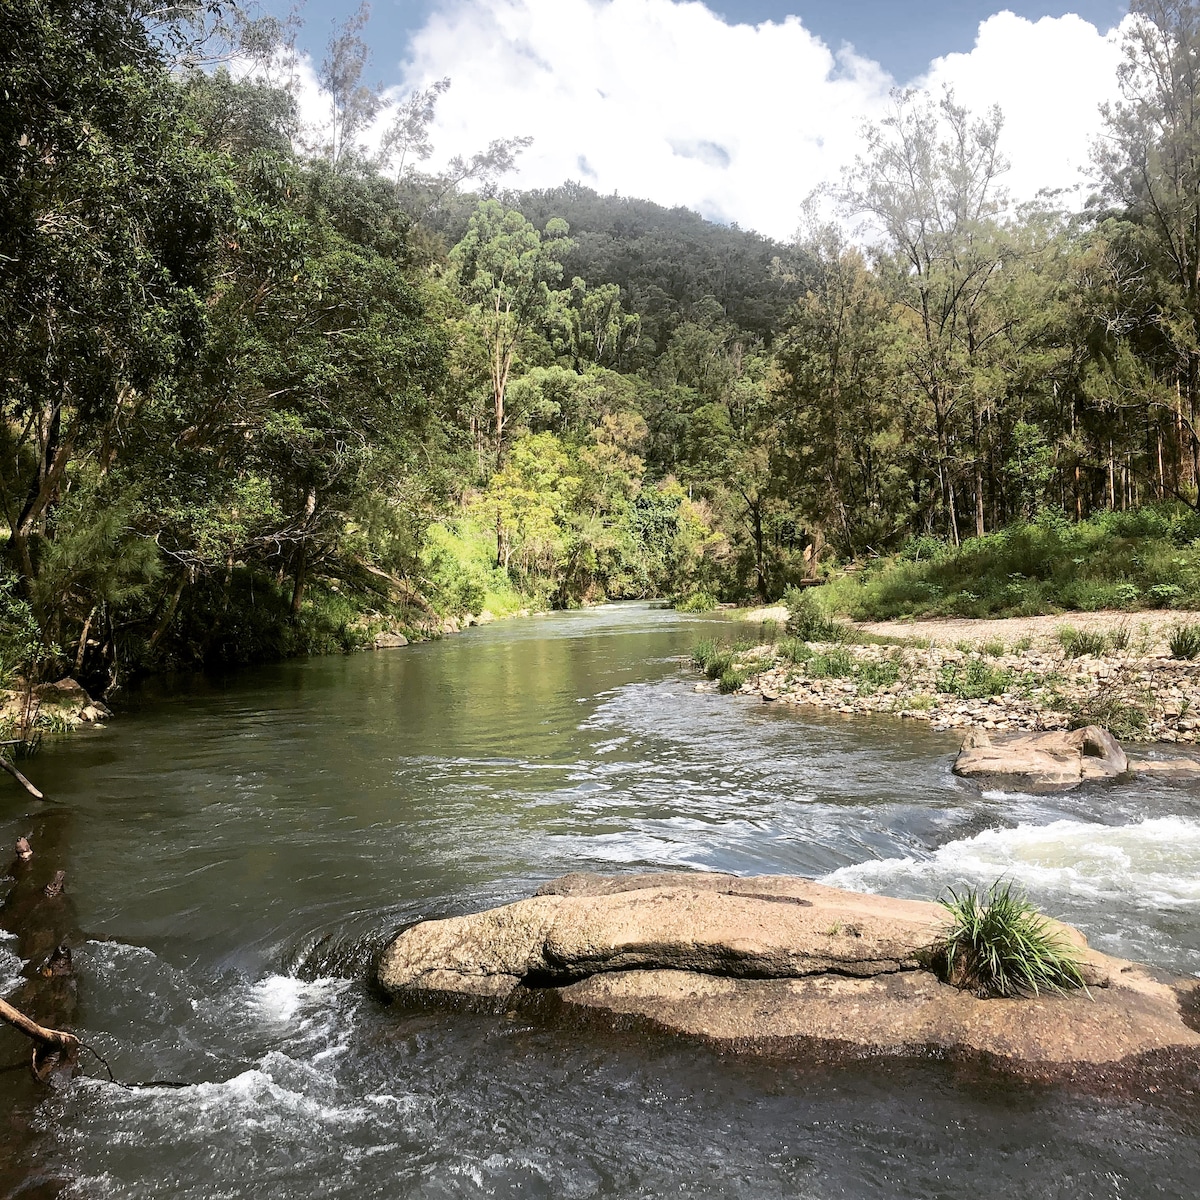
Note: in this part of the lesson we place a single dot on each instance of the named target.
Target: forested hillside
(266, 391)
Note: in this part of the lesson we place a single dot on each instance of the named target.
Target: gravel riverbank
(995, 675)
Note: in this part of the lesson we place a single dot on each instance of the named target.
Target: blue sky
(902, 35)
(740, 113)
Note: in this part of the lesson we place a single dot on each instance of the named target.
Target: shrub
(875, 675)
(998, 944)
(731, 680)
(1125, 719)
(1185, 641)
(992, 649)
(697, 602)
(718, 663)
(973, 680)
(808, 621)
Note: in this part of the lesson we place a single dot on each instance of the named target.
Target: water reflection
(237, 847)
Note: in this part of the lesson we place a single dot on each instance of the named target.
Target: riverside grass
(998, 944)
(1145, 558)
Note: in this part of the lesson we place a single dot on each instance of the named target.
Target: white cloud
(664, 99)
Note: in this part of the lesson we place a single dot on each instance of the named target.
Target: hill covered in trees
(265, 392)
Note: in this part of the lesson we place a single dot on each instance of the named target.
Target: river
(237, 849)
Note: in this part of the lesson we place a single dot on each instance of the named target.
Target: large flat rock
(1053, 761)
(774, 964)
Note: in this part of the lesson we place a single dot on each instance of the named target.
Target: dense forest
(267, 390)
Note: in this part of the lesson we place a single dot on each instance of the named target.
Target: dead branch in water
(56, 1038)
(5, 765)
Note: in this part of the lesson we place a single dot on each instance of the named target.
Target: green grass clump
(834, 664)
(993, 649)
(998, 944)
(875, 675)
(718, 663)
(793, 650)
(702, 651)
(731, 680)
(1185, 641)
(973, 680)
(1078, 642)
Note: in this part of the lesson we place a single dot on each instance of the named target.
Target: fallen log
(7, 766)
(54, 1038)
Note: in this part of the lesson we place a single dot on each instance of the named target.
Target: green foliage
(1079, 642)
(973, 679)
(1111, 560)
(832, 664)
(998, 944)
(702, 651)
(873, 676)
(732, 679)
(808, 621)
(697, 602)
(22, 648)
(794, 650)
(1185, 641)
(1125, 717)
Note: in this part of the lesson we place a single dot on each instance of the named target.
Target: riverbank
(1018, 674)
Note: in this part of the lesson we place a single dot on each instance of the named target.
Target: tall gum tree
(504, 269)
(929, 183)
(1149, 163)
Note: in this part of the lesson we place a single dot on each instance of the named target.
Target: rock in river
(1049, 761)
(784, 965)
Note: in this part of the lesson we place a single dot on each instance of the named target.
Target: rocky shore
(1138, 691)
(782, 965)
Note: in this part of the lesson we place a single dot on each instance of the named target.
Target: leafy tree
(504, 269)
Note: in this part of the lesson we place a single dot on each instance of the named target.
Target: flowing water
(236, 850)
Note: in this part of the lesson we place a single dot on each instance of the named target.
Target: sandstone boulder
(1057, 760)
(390, 641)
(782, 965)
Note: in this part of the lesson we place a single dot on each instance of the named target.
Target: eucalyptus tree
(929, 184)
(1149, 163)
(504, 269)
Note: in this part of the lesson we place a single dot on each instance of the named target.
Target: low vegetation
(1148, 558)
(998, 944)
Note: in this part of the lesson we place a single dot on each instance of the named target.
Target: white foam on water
(10, 968)
(1150, 864)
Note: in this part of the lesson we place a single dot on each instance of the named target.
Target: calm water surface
(236, 853)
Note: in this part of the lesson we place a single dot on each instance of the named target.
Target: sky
(738, 108)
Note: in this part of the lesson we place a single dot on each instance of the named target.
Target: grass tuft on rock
(998, 944)
(1079, 642)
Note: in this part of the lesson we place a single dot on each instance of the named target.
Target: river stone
(1057, 760)
(783, 965)
(390, 641)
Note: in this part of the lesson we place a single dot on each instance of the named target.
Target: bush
(702, 651)
(718, 663)
(875, 675)
(808, 621)
(974, 680)
(731, 680)
(1125, 719)
(998, 944)
(697, 602)
(1185, 641)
